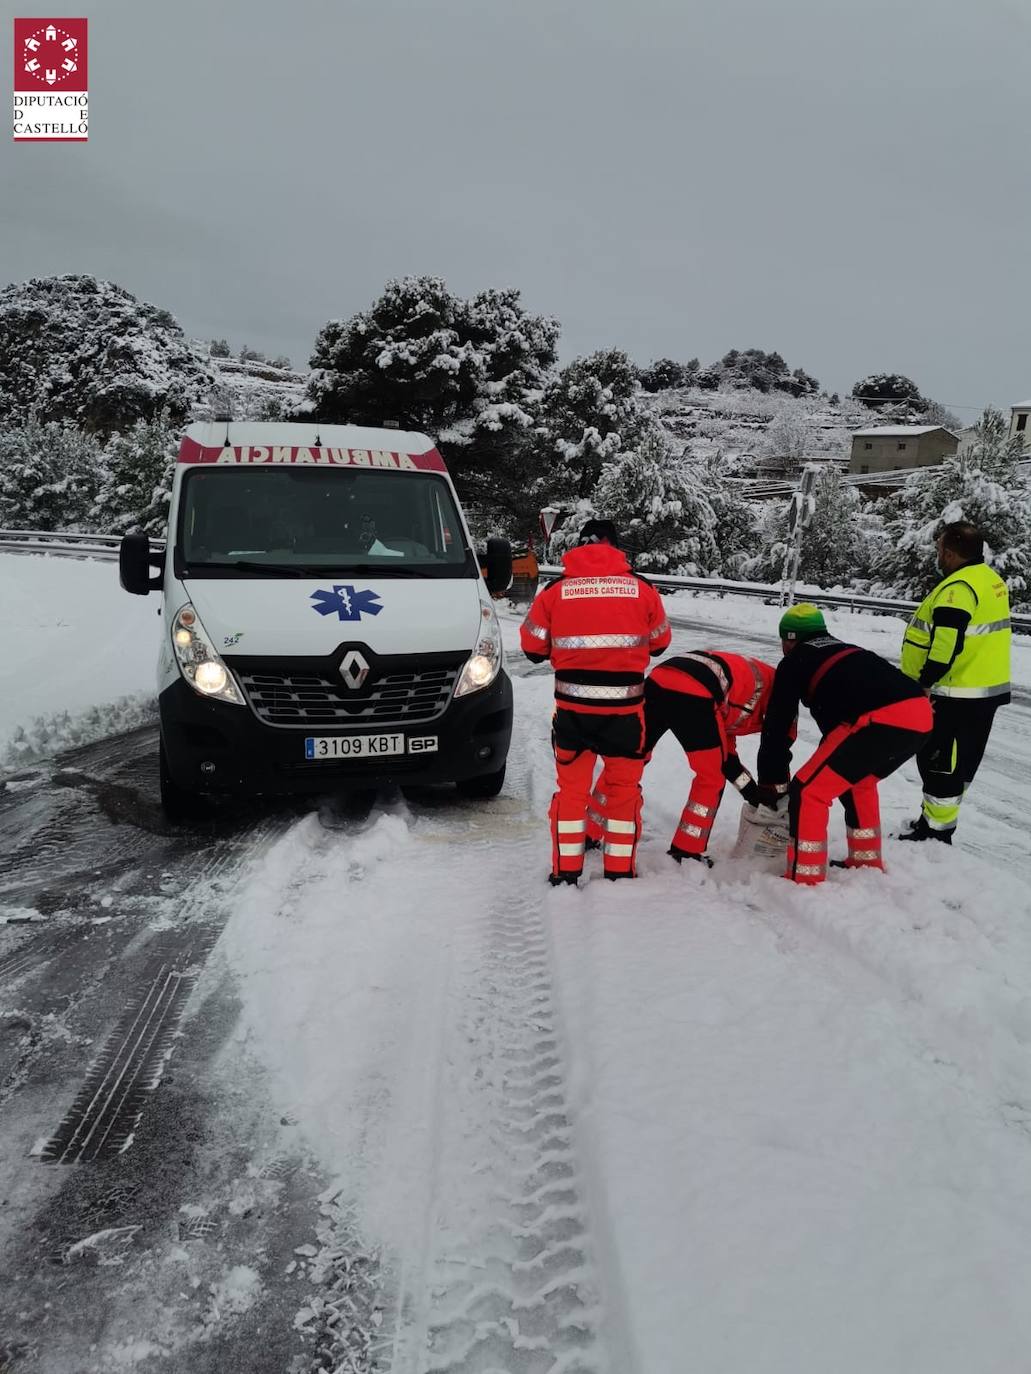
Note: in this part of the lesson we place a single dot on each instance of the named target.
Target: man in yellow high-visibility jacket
(957, 646)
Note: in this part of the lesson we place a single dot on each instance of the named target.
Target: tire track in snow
(510, 1285)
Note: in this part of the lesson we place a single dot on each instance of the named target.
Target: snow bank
(79, 655)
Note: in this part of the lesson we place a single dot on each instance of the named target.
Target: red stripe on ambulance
(253, 456)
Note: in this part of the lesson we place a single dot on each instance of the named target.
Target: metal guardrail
(770, 592)
(105, 547)
(61, 544)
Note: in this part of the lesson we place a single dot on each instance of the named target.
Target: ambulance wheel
(486, 785)
(176, 802)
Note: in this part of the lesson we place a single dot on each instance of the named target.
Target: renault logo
(353, 669)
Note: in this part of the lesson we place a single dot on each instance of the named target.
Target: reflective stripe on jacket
(958, 641)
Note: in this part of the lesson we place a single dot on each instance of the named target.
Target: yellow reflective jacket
(958, 642)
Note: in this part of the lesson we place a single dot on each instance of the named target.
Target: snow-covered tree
(468, 372)
(434, 361)
(734, 517)
(49, 476)
(84, 351)
(790, 434)
(659, 505)
(140, 465)
(839, 544)
(589, 416)
(888, 388)
(983, 485)
(220, 348)
(665, 373)
(753, 368)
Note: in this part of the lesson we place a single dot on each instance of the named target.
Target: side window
(1021, 423)
(868, 447)
(902, 448)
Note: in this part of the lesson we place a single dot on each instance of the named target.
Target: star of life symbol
(50, 55)
(346, 602)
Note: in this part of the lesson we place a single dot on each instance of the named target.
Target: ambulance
(326, 623)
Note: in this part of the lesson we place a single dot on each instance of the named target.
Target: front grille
(317, 698)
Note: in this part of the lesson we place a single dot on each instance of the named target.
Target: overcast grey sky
(845, 183)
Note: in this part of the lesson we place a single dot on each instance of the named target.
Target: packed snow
(706, 1120)
(81, 655)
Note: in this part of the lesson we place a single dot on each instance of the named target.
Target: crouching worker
(707, 699)
(872, 718)
(598, 624)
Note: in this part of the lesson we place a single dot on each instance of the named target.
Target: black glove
(751, 793)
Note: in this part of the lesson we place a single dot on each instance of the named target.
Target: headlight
(198, 661)
(484, 663)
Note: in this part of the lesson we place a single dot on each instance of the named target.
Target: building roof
(1021, 405)
(899, 431)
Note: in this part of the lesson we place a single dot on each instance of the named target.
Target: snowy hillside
(761, 429)
(251, 390)
(424, 1113)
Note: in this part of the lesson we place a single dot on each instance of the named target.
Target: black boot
(920, 830)
(563, 879)
(680, 855)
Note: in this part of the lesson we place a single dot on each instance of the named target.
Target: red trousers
(690, 712)
(850, 761)
(579, 741)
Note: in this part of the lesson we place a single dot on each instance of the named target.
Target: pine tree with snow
(984, 485)
(734, 529)
(140, 465)
(467, 372)
(83, 351)
(840, 544)
(49, 476)
(659, 505)
(590, 415)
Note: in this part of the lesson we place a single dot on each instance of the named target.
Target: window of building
(868, 446)
(1021, 423)
(901, 448)
(865, 466)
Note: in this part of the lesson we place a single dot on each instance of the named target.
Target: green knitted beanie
(802, 622)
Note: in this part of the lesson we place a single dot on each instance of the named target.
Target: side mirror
(498, 573)
(134, 565)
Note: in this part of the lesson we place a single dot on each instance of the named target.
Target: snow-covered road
(705, 1121)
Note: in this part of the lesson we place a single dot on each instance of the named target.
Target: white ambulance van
(325, 620)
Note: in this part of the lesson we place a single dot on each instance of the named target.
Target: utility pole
(803, 503)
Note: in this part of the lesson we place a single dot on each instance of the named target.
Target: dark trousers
(952, 756)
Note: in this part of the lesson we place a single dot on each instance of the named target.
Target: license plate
(366, 746)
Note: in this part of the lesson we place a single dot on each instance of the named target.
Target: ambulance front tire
(176, 802)
(486, 785)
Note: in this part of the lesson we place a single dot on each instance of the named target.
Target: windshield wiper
(252, 565)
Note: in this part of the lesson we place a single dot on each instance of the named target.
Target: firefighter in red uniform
(598, 624)
(872, 718)
(707, 699)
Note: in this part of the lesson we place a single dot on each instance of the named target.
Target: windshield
(297, 520)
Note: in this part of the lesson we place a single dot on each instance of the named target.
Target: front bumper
(216, 748)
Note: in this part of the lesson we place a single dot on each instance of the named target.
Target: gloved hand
(751, 793)
(771, 799)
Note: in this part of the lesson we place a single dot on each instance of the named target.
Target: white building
(1019, 422)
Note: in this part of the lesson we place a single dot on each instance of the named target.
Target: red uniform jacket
(738, 686)
(598, 623)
